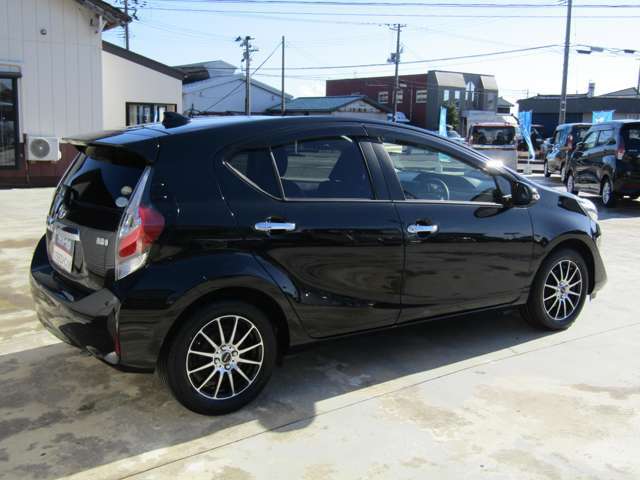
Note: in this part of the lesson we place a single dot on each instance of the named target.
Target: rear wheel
(606, 191)
(563, 172)
(571, 187)
(558, 292)
(547, 173)
(221, 358)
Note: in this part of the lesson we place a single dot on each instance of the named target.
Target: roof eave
(113, 16)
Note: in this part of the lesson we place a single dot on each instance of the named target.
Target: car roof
(493, 124)
(570, 125)
(614, 123)
(151, 131)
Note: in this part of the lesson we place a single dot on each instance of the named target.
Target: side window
(256, 167)
(427, 174)
(323, 168)
(605, 137)
(590, 140)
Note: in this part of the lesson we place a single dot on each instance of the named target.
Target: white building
(136, 89)
(215, 88)
(56, 81)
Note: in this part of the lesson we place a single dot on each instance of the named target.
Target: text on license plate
(62, 251)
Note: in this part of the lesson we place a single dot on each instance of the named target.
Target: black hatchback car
(607, 162)
(563, 143)
(208, 248)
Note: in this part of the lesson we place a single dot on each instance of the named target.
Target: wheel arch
(250, 295)
(579, 246)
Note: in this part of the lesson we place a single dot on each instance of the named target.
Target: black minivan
(607, 162)
(207, 248)
(563, 143)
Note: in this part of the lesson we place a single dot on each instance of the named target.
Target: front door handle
(417, 229)
(269, 226)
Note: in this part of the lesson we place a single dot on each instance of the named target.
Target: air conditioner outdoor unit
(43, 148)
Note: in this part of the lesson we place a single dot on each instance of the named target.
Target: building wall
(126, 81)
(371, 87)
(226, 94)
(59, 92)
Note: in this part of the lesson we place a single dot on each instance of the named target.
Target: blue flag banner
(442, 127)
(525, 129)
(602, 116)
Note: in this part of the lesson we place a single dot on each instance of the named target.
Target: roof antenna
(174, 119)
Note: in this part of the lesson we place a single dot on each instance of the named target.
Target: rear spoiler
(141, 141)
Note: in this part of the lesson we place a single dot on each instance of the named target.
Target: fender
(157, 298)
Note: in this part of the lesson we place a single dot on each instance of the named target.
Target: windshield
(487, 135)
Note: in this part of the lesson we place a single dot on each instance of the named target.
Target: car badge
(62, 212)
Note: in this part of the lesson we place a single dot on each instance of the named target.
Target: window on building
(8, 122)
(323, 168)
(445, 95)
(456, 94)
(383, 97)
(139, 113)
(400, 96)
(470, 92)
(421, 96)
(491, 101)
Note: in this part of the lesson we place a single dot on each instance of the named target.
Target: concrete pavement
(480, 395)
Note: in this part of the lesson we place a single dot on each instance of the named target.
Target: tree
(453, 117)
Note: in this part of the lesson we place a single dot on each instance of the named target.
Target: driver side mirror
(523, 195)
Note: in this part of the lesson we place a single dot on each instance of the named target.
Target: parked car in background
(497, 141)
(565, 138)
(451, 134)
(207, 248)
(537, 140)
(607, 162)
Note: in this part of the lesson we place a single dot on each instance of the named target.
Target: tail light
(141, 225)
(620, 151)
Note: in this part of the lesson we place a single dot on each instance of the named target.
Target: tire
(563, 173)
(571, 187)
(212, 390)
(606, 192)
(547, 173)
(556, 309)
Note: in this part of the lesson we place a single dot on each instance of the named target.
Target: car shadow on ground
(63, 412)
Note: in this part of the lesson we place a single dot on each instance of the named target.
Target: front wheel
(547, 173)
(221, 358)
(558, 292)
(608, 197)
(563, 172)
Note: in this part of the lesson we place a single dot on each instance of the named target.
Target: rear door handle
(269, 226)
(415, 228)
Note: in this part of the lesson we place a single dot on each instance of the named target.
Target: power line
(413, 62)
(382, 3)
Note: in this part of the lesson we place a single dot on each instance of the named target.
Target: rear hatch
(631, 143)
(86, 212)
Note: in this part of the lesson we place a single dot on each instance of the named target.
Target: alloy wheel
(562, 290)
(570, 186)
(225, 357)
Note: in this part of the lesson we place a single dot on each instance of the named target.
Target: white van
(497, 141)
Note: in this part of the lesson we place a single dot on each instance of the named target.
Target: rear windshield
(481, 135)
(631, 137)
(101, 176)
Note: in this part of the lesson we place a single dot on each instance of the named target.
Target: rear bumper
(87, 320)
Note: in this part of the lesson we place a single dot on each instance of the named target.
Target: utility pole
(282, 98)
(395, 58)
(246, 57)
(126, 25)
(565, 69)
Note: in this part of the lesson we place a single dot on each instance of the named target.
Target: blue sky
(359, 36)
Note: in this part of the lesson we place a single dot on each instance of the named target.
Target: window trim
(16, 130)
(246, 179)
